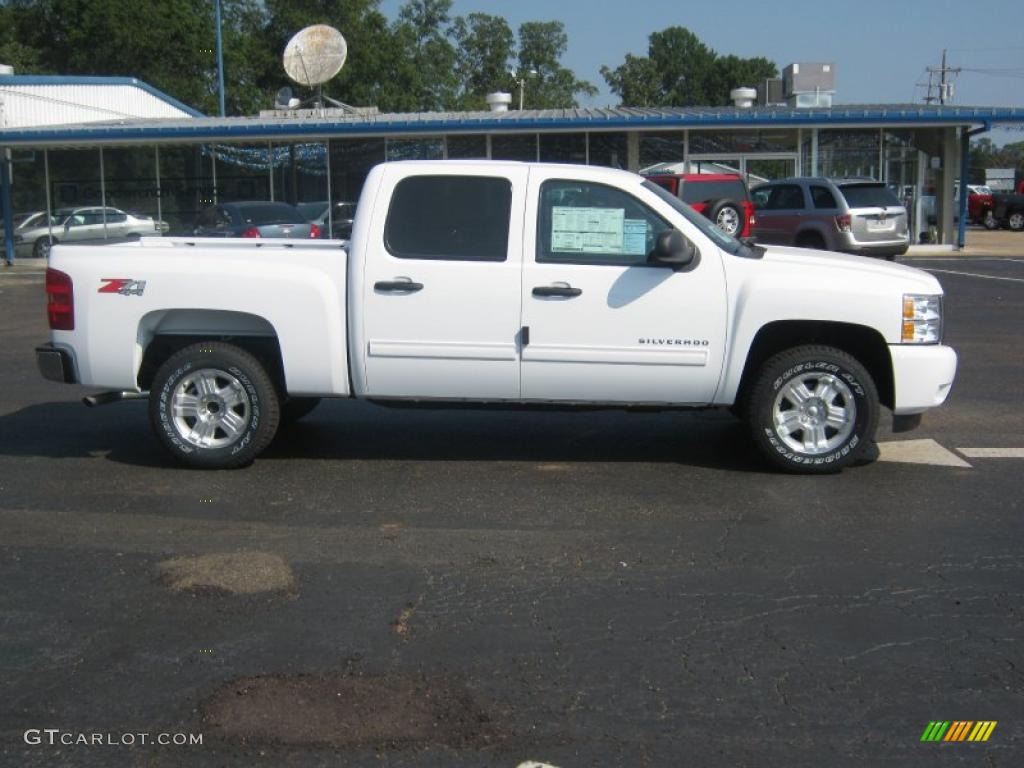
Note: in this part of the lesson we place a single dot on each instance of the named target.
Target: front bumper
(922, 375)
(56, 364)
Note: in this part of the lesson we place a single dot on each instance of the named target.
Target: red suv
(722, 197)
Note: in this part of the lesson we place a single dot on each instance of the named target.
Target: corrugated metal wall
(25, 106)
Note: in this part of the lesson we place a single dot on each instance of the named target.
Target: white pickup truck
(499, 283)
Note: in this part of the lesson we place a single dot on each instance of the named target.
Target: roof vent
(743, 97)
(6, 69)
(499, 101)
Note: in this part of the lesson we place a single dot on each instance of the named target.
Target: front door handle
(557, 290)
(397, 286)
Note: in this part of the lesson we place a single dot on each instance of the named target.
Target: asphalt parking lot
(456, 588)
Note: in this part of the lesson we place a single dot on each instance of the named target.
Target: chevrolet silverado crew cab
(504, 284)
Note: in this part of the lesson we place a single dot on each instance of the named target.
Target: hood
(910, 279)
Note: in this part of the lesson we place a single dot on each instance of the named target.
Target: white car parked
(35, 236)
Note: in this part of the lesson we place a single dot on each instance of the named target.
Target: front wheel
(812, 410)
(1015, 221)
(989, 220)
(212, 405)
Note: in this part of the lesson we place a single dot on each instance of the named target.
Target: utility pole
(945, 87)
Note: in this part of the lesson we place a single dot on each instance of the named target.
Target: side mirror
(671, 249)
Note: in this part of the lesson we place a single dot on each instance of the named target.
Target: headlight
(922, 319)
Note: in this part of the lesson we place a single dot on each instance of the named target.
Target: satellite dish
(285, 99)
(315, 55)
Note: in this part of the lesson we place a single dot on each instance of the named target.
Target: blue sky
(880, 48)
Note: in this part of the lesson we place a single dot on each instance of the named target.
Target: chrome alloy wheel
(728, 220)
(210, 408)
(814, 414)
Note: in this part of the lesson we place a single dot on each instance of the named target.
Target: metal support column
(103, 193)
(5, 201)
(159, 192)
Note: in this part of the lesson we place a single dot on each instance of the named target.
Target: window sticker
(634, 237)
(587, 230)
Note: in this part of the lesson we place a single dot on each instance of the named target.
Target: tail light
(60, 300)
(314, 231)
(251, 232)
(843, 222)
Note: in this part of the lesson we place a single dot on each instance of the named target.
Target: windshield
(725, 242)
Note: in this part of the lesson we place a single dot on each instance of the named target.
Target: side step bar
(105, 398)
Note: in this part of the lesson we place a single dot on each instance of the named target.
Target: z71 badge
(123, 286)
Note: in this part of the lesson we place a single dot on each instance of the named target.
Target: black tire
(727, 215)
(989, 220)
(1015, 220)
(295, 408)
(41, 249)
(842, 437)
(221, 379)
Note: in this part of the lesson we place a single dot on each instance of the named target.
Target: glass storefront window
(462, 146)
(351, 161)
(415, 149)
(563, 148)
(510, 146)
(661, 149)
(731, 142)
(608, 149)
(849, 153)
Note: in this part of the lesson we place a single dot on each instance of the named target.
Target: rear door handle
(556, 290)
(397, 286)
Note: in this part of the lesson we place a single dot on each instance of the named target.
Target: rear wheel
(1015, 221)
(41, 250)
(812, 410)
(989, 220)
(213, 405)
(727, 215)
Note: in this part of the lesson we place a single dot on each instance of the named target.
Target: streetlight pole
(521, 79)
(220, 61)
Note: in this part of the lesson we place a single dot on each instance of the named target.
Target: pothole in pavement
(344, 710)
(236, 573)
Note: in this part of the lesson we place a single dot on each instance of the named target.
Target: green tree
(484, 47)
(680, 70)
(541, 47)
(423, 27)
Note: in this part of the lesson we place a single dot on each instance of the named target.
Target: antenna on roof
(313, 56)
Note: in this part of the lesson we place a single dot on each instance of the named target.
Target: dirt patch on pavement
(236, 573)
(343, 710)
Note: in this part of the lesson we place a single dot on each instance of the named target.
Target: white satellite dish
(315, 55)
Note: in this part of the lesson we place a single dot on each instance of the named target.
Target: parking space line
(992, 453)
(974, 274)
(919, 452)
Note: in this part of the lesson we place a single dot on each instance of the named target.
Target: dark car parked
(254, 219)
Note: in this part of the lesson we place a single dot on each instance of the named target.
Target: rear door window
(785, 197)
(869, 196)
(459, 218)
(823, 197)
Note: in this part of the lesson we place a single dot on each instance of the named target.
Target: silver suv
(852, 215)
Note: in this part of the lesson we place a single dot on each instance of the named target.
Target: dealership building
(117, 142)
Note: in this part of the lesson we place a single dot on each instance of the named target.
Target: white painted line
(532, 764)
(972, 274)
(919, 452)
(993, 453)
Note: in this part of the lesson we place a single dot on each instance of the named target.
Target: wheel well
(863, 343)
(810, 237)
(266, 349)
